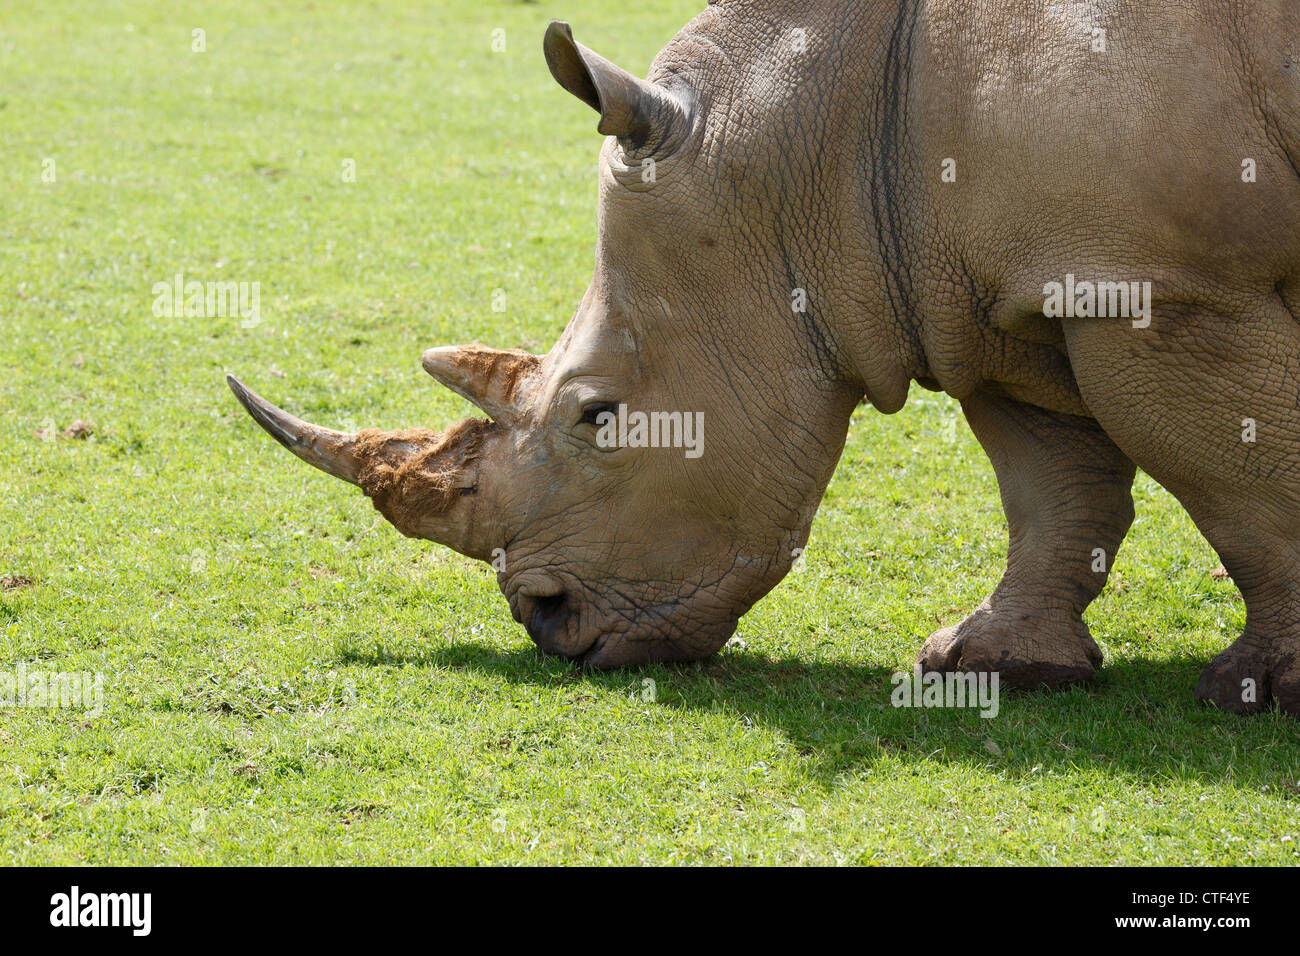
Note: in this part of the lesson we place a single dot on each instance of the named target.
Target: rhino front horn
(426, 483)
(330, 451)
(644, 116)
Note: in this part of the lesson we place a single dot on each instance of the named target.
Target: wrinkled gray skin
(801, 146)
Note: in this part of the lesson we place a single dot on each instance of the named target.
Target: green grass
(287, 679)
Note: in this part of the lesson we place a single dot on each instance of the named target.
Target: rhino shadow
(1136, 718)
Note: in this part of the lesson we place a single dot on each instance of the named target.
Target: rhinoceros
(1078, 219)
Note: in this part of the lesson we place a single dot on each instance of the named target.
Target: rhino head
(622, 555)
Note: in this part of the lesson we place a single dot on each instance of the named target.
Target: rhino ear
(496, 380)
(645, 117)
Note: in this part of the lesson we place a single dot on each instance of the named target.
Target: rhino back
(1123, 161)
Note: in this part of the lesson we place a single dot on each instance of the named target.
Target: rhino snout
(553, 622)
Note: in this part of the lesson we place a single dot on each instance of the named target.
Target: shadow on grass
(1137, 718)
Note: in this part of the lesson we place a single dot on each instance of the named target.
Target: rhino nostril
(550, 604)
(548, 625)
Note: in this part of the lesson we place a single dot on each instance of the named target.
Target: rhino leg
(1251, 674)
(1206, 403)
(1066, 493)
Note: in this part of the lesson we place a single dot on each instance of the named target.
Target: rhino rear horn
(644, 116)
(496, 380)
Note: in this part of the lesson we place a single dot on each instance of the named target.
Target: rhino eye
(591, 413)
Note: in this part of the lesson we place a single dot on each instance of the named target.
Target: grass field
(286, 679)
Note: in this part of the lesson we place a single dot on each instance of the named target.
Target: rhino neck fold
(855, 210)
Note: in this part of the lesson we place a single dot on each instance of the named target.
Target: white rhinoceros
(1077, 218)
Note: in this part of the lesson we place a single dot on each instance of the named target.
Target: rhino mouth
(550, 613)
(558, 627)
(549, 620)
(565, 619)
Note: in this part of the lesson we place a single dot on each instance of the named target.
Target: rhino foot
(1025, 648)
(1247, 678)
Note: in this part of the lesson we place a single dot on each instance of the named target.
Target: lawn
(286, 679)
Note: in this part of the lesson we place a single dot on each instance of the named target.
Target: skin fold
(806, 206)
